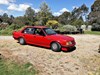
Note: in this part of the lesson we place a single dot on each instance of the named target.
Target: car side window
(29, 31)
(38, 31)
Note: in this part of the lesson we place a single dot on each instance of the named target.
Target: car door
(40, 38)
(29, 35)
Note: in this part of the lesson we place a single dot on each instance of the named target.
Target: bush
(10, 29)
(96, 27)
(15, 26)
(3, 26)
(6, 32)
(67, 28)
(52, 24)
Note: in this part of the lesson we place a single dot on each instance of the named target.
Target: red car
(44, 36)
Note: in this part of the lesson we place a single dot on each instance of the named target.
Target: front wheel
(22, 41)
(56, 47)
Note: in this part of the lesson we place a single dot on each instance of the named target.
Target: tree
(29, 16)
(44, 14)
(1, 20)
(19, 21)
(10, 20)
(29, 12)
(81, 18)
(11, 17)
(94, 16)
(78, 23)
(5, 17)
(80, 11)
(52, 23)
(84, 10)
(64, 18)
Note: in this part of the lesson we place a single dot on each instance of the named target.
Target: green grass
(6, 32)
(11, 68)
(93, 32)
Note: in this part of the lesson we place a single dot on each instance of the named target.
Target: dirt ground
(85, 60)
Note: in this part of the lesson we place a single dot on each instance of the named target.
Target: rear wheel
(22, 41)
(56, 47)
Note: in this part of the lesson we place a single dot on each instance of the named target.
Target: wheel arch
(22, 37)
(55, 42)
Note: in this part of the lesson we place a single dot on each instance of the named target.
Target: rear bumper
(15, 38)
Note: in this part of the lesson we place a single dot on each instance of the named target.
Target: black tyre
(22, 41)
(56, 47)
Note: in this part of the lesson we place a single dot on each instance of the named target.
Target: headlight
(69, 43)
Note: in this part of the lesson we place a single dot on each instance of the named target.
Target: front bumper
(68, 48)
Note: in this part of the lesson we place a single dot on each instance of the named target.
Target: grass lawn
(93, 32)
(10, 68)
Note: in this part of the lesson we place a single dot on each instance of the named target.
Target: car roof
(36, 26)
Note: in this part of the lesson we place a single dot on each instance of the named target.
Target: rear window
(29, 31)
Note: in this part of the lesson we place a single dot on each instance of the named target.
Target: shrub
(6, 32)
(96, 27)
(67, 28)
(14, 26)
(52, 24)
(3, 26)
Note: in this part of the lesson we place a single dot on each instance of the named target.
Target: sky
(18, 7)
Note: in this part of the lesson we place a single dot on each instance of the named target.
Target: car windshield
(49, 31)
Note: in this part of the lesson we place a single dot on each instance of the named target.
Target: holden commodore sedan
(44, 36)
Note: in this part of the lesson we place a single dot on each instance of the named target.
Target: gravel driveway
(82, 61)
(6, 37)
